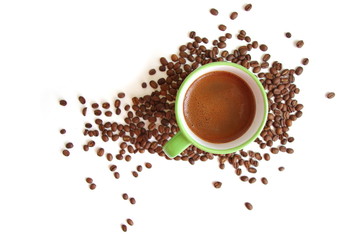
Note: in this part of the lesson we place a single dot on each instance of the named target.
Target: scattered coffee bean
(116, 175)
(264, 180)
(89, 180)
(130, 222)
(84, 111)
(139, 168)
(100, 152)
(248, 206)
(92, 186)
(281, 169)
(248, 7)
(330, 95)
(132, 200)
(125, 196)
(222, 27)
(148, 165)
(135, 174)
(81, 99)
(152, 72)
(305, 61)
(144, 85)
(124, 228)
(300, 43)
(63, 102)
(263, 47)
(252, 180)
(66, 152)
(62, 131)
(217, 184)
(121, 95)
(288, 34)
(113, 167)
(214, 12)
(233, 15)
(69, 145)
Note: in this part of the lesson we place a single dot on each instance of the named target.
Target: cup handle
(176, 145)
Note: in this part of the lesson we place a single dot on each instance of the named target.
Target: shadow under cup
(189, 137)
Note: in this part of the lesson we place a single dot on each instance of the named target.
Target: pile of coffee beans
(150, 121)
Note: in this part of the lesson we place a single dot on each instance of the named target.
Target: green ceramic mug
(185, 137)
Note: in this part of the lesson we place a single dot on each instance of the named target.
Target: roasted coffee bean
(100, 152)
(139, 168)
(148, 165)
(290, 150)
(305, 61)
(130, 222)
(217, 184)
(252, 180)
(274, 150)
(113, 168)
(116, 175)
(121, 95)
(233, 15)
(62, 131)
(214, 12)
(124, 228)
(81, 99)
(135, 174)
(63, 102)
(66, 153)
(92, 186)
(132, 200)
(330, 95)
(298, 70)
(222, 27)
(281, 169)
(263, 47)
(299, 43)
(264, 180)
(244, 178)
(128, 158)
(144, 85)
(69, 145)
(125, 196)
(152, 72)
(288, 34)
(248, 7)
(266, 156)
(89, 180)
(248, 206)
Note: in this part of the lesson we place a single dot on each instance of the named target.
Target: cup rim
(179, 107)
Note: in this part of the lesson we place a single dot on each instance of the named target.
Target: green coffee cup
(185, 137)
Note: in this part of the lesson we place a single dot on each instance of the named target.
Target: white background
(60, 49)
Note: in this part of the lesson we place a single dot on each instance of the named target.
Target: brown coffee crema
(219, 107)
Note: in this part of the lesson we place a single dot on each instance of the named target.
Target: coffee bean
(244, 178)
(125, 196)
(281, 169)
(330, 95)
(233, 15)
(305, 61)
(92, 186)
(264, 180)
(89, 180)
(217, 184)
(124, 227)
(148, 165)
(248, 7)
(139, 168)
(298, 70)
(128, 158)
(113, 168)
(248, 206)
(69, 145)
(121, 95)
(222, 27)
(290, 150)
(299, 43)
(132, 200)
(100, 152)
(62, 131)
(66, 153)
(152, 72)
(214, 12)
(135, 174)
(63, 102)
(144, 85)
(84, 111)
(252, 180)
(81, 99)
(288, 34)
(266, 156)
(263, 47)
(274, 150)
(116, 175)
(130, 222)
(252, 170)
